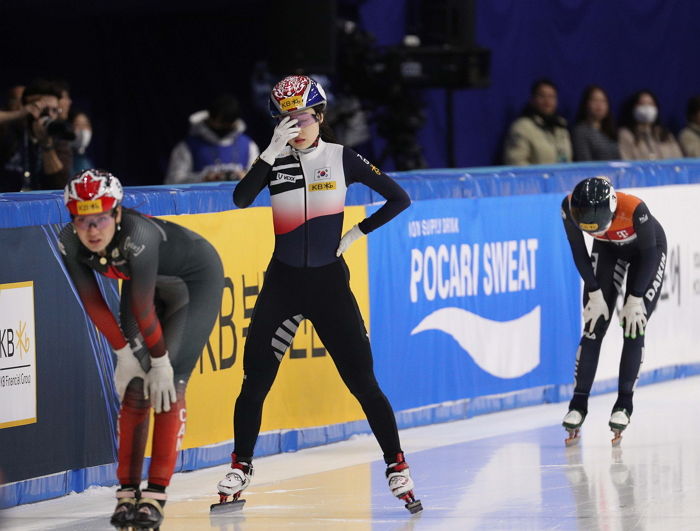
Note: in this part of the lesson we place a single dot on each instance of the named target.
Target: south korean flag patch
(322, 174)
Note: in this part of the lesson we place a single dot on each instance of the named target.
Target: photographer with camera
(35, 153)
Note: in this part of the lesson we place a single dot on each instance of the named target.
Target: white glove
(283, 133)
(160, 384)
(633, 316)
(128, 367)
(595, 309)
(350, 236)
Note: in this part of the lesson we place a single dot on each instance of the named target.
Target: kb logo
(7, 342)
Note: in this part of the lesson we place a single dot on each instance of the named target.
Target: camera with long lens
(56, 127)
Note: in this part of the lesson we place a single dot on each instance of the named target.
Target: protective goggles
(304, 119)
(99, 221)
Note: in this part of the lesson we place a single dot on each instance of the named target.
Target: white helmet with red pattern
(92, 192)
(296, 93)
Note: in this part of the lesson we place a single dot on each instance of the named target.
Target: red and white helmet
(92, 192)
(295, 93)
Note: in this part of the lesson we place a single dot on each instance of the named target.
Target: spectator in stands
(540, 135)
(82, 127)
(689, 136)
(641, 135)
(594, 136)
(216, 148)
(35, 152)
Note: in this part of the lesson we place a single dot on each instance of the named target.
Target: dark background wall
(140, 68)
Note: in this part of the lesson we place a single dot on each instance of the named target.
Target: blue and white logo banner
(472, 297)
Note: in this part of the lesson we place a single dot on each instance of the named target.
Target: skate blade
(573, 438)
(617, 439)
(227, 507)
(414, 507)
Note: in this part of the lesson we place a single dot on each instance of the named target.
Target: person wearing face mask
(171, 290)
(627, 241)
(595, 135)
(540, 135)
(82, 127)
(216, 148)
(307, 176)
(641, 135)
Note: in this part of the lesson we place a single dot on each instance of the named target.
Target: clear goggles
(304, 119)
(99, 221)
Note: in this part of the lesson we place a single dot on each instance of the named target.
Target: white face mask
(645, 114)
(82, 140)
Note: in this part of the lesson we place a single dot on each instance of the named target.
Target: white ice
(506, 470)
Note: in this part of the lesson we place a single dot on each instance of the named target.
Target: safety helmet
(296, 93)
(92, 192)
(593, 203)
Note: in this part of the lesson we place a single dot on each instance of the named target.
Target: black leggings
(322, 295)
(610, 271)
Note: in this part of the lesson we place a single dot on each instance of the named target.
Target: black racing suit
(634, 244)
(305, 279)
(172, 284)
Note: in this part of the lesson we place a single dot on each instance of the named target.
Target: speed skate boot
(123, 517)
(233, 485)
(401, 484)
(619, 420)
(149, 509)
(572, 424)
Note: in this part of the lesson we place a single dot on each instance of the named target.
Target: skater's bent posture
(172, 282)
(627, 239)
(307, 277)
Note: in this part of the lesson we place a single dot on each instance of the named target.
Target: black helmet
(593, 203)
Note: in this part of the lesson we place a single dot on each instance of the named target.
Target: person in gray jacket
(540, 135)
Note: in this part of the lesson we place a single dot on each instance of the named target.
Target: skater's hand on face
(127, 368)
(596, 307)
(160, 384)
(633, 317)
(285, 131)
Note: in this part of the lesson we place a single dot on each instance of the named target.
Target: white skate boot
(572, 423)
(619, 420)
(233, 485)
(401, 484)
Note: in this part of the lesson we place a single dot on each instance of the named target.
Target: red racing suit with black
(305, 279)
(172, 284)
(634, 245)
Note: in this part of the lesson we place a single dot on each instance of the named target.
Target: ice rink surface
(506, 470)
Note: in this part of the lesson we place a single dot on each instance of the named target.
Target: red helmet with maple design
(92, 192)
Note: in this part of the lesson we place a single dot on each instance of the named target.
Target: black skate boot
(123, 517)
(149, 510)
(401, 484)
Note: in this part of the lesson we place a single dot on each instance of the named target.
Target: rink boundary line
(281, 441)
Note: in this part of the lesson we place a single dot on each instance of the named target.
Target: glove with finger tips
(596, 307)
(350, 236)
(160, 384)
(633, 316)
(285, 131)
(127, 368)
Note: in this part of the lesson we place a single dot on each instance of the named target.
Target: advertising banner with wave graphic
(473, 298)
